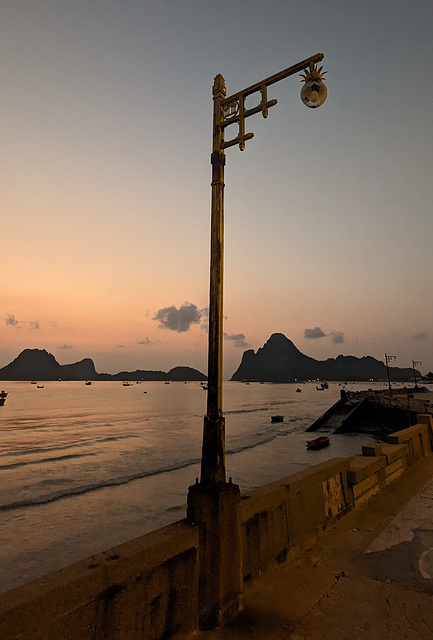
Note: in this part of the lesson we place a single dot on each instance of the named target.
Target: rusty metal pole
(213, 451)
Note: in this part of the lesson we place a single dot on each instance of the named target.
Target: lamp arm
(232, 109)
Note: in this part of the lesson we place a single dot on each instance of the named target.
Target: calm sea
(84, 468)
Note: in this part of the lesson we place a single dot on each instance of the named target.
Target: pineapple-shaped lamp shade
(314, 91)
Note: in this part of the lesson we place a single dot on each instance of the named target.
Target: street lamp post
(387, 360)
(231, 111)
(212, 502)
(414, 364)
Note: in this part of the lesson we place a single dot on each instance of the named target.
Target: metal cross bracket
(232, 109)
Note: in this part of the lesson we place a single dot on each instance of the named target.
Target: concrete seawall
(148, 588)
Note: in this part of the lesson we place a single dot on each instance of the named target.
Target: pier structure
(375, 411)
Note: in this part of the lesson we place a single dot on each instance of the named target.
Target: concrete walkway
(370, 577)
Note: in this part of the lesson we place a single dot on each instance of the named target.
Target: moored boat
(318, 443)
(277, 418)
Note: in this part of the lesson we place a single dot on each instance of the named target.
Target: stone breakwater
(157, 586)
(418, 400)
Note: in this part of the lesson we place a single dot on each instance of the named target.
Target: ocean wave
(237, 411)
(267, 437)
(176, 507)
(266, 406)
(71, 492)
(62, 447)
(25, 463)
(97, 486)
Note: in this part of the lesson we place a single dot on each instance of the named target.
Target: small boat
(323, 386)
(40, 386)
(318, 443)
(277, 418)
(298, 390)
(3, 394)
(2, 401)
(127, 384)
(88, 383)
(33, 382)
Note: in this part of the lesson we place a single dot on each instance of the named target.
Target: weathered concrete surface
(367, 578)
(216, 513)
(144, 589)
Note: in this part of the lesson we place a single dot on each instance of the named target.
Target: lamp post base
(216, 512)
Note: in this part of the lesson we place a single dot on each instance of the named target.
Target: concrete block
(266, 498)
(362, 467)
(417, 440)
(334, 496)
(315, 498)
(265, 541)
(400, 437)
(98, 596)
(366, 489)
(425, 418)
(216, 511)
(394, 471)
(265, 537)
(371, 450)
(393, 452)
(305, 479)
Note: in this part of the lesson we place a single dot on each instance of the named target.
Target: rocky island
(38, 364)
(280, 361)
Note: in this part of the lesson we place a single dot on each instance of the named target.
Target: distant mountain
(280, 361)
(35, 364)
(38, 364)
(82, 370)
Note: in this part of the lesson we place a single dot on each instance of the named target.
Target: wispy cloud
(238, 339)
(65, 346)
(179, 320)
(337, 337)
(11, 320)
(314, 333)
(34, 325)
(204, 322)
(420, 336)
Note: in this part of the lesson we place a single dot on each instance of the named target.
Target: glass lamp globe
(314, 91)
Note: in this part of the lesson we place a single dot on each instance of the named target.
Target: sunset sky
(105, 188)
